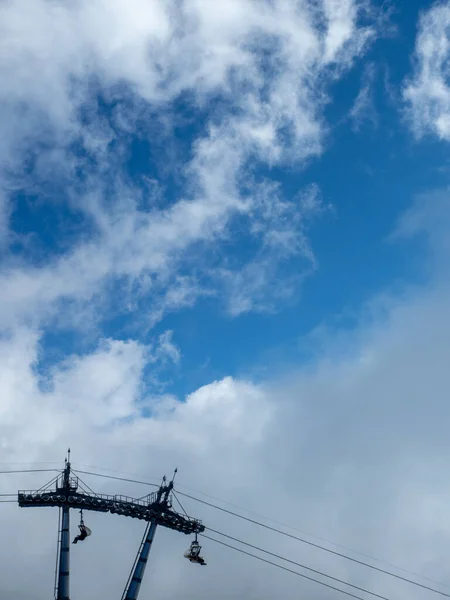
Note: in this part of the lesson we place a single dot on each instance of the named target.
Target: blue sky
(368, 174)
(224, 246)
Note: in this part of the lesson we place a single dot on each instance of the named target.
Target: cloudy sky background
(224, 246)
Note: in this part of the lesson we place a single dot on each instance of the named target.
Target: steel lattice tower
(156, 509)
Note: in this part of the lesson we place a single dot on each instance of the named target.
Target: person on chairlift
(84, 531)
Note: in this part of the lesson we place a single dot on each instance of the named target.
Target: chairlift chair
(193, 553)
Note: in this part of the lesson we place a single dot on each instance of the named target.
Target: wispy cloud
(363, 109)
(427, 91)
(267, 63)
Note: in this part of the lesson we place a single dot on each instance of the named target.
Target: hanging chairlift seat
(193, 554)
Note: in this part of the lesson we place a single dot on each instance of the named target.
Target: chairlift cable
(255, 522)
(181, 506)
(293, 562)
(118, 478)
(383, 562)
(332, 587)
(30, 471)
(334, 552)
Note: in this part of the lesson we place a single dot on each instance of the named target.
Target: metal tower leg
(64, 557)
(58, 553)
(134, 583)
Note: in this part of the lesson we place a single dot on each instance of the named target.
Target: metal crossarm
(117, 505)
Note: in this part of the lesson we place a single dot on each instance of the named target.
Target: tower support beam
(134, 584)
(64, 557)
(67, 486)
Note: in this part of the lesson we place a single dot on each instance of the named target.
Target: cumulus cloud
(351, 450)
(427, 91)
(256, 76)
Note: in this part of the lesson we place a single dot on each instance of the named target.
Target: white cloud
(351, 449)
(428, 220)
(300, 451)
(269, 64)
(363, 109)
(166, 350)
(282, 227)
(427, 91)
